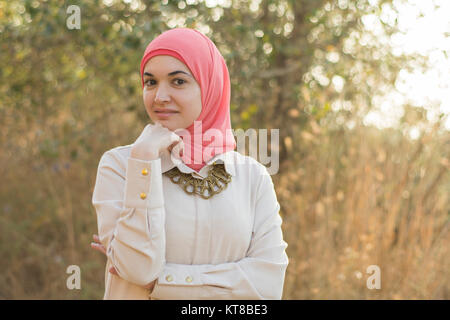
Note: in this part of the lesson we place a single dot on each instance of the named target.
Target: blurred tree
(292, 61)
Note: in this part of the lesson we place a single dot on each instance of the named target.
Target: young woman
(182, 215)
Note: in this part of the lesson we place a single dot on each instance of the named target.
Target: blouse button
(143, 195)
(144, 172)
(188, 279)
(169, 278)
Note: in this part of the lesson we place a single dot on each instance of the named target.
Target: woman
(176, 227)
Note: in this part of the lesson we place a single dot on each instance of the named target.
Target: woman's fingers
(98, 247)
(177, 149)
(113, 271)
(178, 144)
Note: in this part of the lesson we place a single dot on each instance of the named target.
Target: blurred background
(358, 89)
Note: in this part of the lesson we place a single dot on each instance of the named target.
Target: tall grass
(366, 197)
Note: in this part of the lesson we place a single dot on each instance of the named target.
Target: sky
(425, 29)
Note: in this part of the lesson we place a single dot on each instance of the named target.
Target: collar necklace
(216, 181)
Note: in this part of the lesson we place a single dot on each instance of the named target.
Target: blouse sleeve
(130, 216)
(260, 275)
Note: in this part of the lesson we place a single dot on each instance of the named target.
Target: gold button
(188, 279)
(143, 195)
(144, 172)
(169, 278)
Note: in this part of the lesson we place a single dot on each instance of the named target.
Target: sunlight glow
(425, 29)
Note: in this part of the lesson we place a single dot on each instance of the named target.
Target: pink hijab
(209, 69)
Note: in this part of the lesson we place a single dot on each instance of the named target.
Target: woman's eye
(177, 81)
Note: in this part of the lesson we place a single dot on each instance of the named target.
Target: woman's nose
(162, 95)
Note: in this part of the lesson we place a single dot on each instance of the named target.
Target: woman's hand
(153, 140)
(97, 245)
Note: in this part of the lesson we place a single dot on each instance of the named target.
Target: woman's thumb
(177, 148)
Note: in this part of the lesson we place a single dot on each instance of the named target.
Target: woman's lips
(165, 115)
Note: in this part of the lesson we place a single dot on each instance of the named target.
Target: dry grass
(365, 198)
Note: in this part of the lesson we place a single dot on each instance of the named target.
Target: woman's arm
(130, 215)
(260, 275)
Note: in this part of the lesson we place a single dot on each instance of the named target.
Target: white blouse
(227, 247)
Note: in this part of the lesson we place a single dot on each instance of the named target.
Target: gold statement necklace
(216, 181)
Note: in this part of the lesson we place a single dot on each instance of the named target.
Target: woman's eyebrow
(169, 74)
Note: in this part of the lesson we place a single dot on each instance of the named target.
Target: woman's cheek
(147, 99)
(148, 104)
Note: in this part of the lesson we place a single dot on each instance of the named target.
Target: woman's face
(171, 94)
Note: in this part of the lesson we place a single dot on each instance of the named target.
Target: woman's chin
(167, 124)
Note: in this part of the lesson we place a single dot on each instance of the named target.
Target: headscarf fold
(210, 71)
